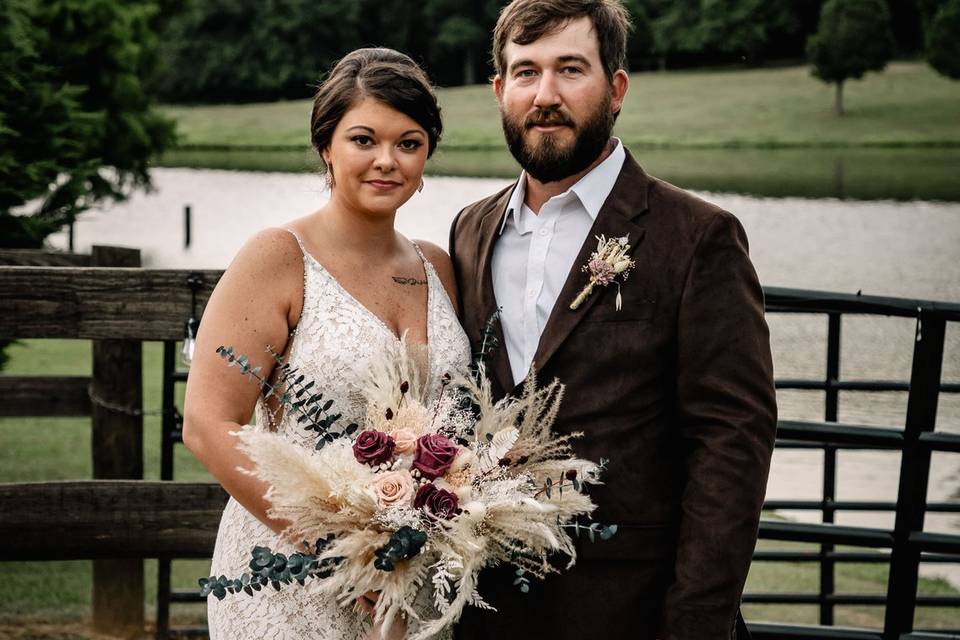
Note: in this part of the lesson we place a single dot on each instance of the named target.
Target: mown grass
(907, 105)
(51, 600)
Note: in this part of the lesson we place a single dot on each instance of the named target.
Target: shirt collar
(592, 189)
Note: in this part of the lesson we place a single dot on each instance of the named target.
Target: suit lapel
(498, 362)
(627, 201)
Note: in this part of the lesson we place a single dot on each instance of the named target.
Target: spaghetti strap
(303, 249)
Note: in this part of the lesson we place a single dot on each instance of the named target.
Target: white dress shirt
(535, 252)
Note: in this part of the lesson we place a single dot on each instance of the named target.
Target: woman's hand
(368, 602)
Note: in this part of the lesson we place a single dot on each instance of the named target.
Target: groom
(668, 372)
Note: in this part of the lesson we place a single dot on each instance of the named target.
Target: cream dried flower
(611, 259)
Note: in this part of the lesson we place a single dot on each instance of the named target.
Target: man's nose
(548, 91)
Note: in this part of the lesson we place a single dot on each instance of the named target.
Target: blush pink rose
(393, 488)
(405, 441)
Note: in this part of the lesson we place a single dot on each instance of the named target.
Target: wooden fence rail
(98, 302)
(88, 519)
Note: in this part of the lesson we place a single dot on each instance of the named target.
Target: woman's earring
(420, 188)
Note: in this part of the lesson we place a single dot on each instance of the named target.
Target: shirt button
(543, 232)
(531, 293)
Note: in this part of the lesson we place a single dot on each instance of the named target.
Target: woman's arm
(254, 305)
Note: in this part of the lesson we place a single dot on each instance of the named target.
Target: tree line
(252, 50)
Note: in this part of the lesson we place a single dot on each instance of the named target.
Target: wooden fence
(116, 519)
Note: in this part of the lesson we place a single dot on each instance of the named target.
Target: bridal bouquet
(433, 486)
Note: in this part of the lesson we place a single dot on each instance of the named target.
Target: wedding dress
(335, 334)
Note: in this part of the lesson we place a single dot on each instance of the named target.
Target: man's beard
(549, 161)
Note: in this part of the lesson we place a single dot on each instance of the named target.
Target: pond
(883, 247)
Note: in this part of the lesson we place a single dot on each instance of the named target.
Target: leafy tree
(854, 37)
(228, 51)
(75, 124)
(676, 28)
(458, 35)
(943, 40)
(745, 27)
(641, 43)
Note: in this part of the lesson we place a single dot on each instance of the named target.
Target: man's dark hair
(384, 75)
(524, 21)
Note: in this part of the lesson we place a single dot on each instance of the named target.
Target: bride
(330, 289)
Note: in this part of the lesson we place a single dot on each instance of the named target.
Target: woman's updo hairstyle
(388, 76)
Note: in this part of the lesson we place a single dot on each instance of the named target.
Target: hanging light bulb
(194, 281)
(189, 340)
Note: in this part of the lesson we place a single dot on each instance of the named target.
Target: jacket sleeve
(726, 415)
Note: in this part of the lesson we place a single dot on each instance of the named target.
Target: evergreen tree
(853, 37)
(75, 124)
(943, 40)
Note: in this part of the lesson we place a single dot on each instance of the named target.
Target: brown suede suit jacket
(675, 389)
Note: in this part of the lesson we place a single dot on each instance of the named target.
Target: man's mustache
(548, 118)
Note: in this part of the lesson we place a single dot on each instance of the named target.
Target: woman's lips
(383, 185)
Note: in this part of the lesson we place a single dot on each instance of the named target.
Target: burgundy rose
(373, 448)
(439, 502)
(435, 454)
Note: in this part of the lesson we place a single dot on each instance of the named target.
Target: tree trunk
(838, 99)
(469, 66)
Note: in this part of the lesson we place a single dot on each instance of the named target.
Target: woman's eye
(410, 145)
(362, 140)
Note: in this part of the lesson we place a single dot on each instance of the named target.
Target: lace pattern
(333, 338)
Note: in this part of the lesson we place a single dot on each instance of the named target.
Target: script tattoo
(410, 281)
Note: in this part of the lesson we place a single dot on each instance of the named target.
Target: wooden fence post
(117, 445)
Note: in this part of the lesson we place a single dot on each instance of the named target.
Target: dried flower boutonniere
(606, 263)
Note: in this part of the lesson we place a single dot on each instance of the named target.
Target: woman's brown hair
(388, 76)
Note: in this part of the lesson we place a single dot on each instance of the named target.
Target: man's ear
(618, 90)
(498, 87)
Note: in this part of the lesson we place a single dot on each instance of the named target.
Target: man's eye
(571, 70)
(410, 145)
(362, 140)
(526, 73)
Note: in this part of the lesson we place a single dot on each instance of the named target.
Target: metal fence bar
(856, 385)
(831, 402)
(853, 505)
(914, 474)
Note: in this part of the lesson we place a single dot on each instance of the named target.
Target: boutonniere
(611, 259)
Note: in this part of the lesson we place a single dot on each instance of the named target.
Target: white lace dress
(334, 334)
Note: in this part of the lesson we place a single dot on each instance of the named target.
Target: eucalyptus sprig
(404, 544)
(488, 342)
(275, 569)
(294, 393)
(605, 531)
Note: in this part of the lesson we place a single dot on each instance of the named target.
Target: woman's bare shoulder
(444, 267)
(268, 251)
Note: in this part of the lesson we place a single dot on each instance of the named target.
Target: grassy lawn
(907, 105)
(51, 600)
